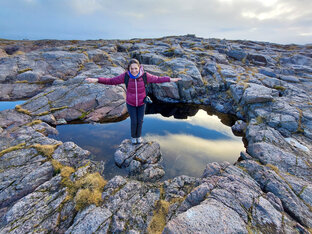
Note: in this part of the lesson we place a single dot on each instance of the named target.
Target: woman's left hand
(175, 79)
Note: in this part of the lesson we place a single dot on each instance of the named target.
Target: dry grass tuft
(85, 197)
(46, 150)
(158, 221)
(66, 171)
(92, 181)
(13, 148)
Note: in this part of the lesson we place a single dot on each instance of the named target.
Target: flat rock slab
(141, 160)
(211, 217)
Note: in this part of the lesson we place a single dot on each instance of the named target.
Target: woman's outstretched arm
(156, 79)
(175, 79)
(110, 81)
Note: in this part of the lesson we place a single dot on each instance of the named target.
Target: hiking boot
(139, 140)
(134, 141)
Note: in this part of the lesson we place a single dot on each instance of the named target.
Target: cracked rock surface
(141, 160)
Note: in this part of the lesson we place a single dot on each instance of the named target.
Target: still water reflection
(189, 137)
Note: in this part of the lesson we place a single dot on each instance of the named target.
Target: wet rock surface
(51, 186)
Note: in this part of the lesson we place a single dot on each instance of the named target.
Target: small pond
(5, 105)
(189, 137)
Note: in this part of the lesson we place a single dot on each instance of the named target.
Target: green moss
(52, 110)
(170, 50)
(177, 200)
(198, 49)
(184, 71)
(134, 41)
(81, 67)
(281, 88)
(12, 148)
(242, 168)
(259, 120)
(24, 70)
(274, 168)
(229, 94)
(18, 108)
(83, 115)
(169, 72)
(302, 190)
(145, 52)
(34, 122)
(88, 60)
(300, 129)
(219, 71)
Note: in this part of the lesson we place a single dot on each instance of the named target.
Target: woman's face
(134, 69)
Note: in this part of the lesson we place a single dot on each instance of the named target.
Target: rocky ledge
(52, 186)
(141, 160)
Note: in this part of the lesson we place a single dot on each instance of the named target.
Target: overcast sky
(280, 21)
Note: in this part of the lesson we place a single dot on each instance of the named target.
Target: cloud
(281, 21)
(189, 154)
(278, 11)
(191, 146)
(86, 7)
(30, 1)
(203, 120)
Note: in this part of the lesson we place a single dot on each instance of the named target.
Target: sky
(278, 21)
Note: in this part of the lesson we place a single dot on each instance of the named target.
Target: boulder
(3, 53)
(142, 160)
(237, 54)
(239, 127)
(257, 59)
(258, 94)
(75, 100)
(210, 216)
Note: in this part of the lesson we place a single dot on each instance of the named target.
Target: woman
(135, 93)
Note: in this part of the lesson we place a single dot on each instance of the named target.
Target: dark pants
(136, 117)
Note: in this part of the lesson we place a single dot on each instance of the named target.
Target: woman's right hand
(92, 80)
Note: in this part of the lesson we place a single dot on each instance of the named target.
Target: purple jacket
(136, 90)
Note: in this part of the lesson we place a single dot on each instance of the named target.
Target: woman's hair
(133, 61)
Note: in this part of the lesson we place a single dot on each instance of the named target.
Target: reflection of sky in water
(187, 145)
(5, 105)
